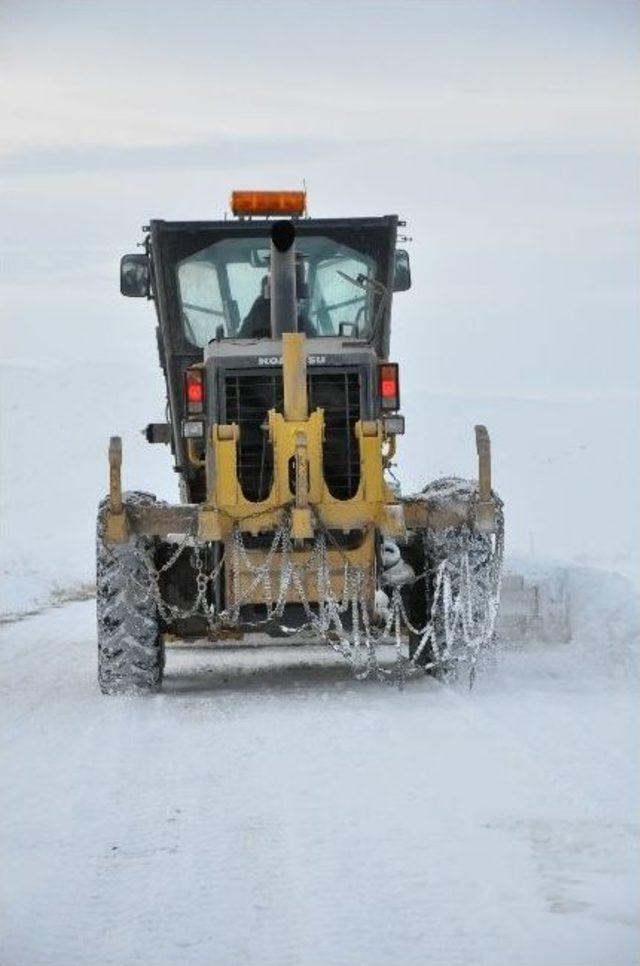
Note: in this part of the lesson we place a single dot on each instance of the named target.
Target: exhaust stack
(284, 309)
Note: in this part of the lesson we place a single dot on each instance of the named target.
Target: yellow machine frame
(297, 437)
(300, 490)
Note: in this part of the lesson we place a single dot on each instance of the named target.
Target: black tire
(417, 600)
(130, 645)
(427, 551)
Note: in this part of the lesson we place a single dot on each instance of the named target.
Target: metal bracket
(301, 523)
(485, 511)
(116, 527)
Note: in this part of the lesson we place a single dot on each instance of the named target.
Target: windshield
(224, 289)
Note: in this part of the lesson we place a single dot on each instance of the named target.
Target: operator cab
(211, 280)
(226, 291)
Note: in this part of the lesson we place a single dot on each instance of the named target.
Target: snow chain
(459, 628)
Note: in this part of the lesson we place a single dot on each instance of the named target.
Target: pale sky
(503, 132)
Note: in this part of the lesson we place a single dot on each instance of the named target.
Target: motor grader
(283, 412)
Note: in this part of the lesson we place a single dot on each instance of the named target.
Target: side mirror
(402, 273)
(135, 276)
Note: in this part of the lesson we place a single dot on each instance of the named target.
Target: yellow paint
(116, 529)
(294, 376)
(373, 502)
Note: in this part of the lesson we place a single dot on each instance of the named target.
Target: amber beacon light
(268, 203)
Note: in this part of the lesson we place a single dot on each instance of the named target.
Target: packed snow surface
(268, 808)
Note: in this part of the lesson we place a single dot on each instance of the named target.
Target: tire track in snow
(268, 809)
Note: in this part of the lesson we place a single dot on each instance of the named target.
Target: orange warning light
(268, 202)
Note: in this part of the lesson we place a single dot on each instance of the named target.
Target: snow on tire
(130, 647)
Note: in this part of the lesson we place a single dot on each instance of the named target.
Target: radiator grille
(338, 393)
(249, 397)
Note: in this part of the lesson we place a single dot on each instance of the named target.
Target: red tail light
(389, 386)
(194, 390)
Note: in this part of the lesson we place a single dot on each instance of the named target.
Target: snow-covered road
(267, 808)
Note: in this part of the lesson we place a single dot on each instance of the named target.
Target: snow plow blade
(534, 611)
